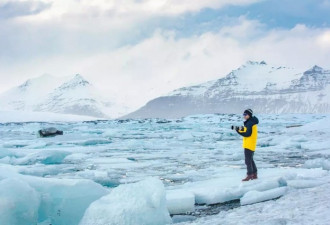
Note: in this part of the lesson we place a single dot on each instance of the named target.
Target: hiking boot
(254, 176)
(249, 177)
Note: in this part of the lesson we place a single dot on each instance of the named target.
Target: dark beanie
(249, 112)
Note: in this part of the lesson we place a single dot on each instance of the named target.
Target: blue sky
(153, 46)
(284, 13)
(272, 13)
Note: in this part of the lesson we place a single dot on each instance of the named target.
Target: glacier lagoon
(74, 178)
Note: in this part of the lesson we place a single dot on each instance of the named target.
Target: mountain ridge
(66, 95)
(257, 85)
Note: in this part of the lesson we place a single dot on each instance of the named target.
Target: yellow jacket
(250, 133)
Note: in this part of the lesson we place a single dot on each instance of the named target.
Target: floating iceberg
(28, 200)
(230, 188)
(132, 204)
(318, 163)
(19, 203)
(180, 201)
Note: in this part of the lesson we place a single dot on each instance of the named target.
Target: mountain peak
(256, 63)
(45, 76)
(25, 85)
(317, 68)
(79, 77)
(78, 80)
(314, 69)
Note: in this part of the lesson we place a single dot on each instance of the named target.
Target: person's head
(248, 114)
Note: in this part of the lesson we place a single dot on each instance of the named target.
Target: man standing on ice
(250, 135)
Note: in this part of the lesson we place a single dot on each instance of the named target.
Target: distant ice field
(123, 151)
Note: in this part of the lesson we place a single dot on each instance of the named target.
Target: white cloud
(324, 40)
(116, 14)
(63, 27)
(155, 66)
(128, 7)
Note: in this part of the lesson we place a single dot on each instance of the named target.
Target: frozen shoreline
(27, 116)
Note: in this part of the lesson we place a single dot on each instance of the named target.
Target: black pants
(249, 162)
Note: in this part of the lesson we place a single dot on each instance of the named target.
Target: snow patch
(252, 197)
(304, 183)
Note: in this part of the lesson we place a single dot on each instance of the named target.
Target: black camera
(237, 127)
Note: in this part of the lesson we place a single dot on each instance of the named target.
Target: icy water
(177, 151)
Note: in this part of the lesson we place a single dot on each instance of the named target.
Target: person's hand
(235, 128)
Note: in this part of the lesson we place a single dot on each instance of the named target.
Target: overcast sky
(139, 49)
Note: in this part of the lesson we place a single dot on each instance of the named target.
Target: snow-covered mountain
(256, 85)
(66, 95)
